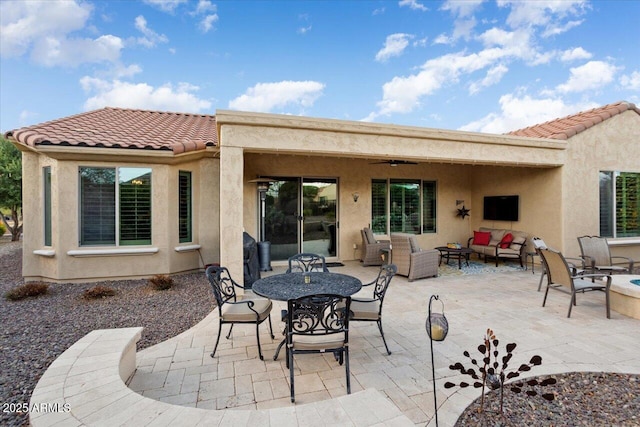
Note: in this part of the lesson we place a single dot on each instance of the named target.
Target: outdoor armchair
(370, 309)
(597, 256)
(371, 252)
(318, 324)
(561, 276)
(231, 310)
(412, 261)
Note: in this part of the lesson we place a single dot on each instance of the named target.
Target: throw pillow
(517, 243)
(481, 238)
(506, 241)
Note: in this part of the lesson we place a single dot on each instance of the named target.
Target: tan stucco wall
(65, 220)
(611, 145)
(557, 183)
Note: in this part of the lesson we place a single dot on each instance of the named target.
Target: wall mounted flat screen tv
(501, 208)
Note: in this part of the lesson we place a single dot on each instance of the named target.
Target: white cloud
(304, 30)
(168, 97)
(413, 4)
(587, 77)
(208, 9)
(205, 6)
(378, 11)
(151, 38)
(494, 75)
(52, 51)
(403, 94)
(520, 112)
(206, 24)
(575, 54)
(43, 29)
(394, 45)
(462, 8)
(462, 28)
(265, 97)
(543, 13)
(22, 24)
(631, 81)
(442, 39)
(558, 28)
(165, 5)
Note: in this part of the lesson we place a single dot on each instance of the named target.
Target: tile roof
(569, 126)
(124, 128)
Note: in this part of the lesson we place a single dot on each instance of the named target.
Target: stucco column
(231, 207)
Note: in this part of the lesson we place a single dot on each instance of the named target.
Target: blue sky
(487, 66)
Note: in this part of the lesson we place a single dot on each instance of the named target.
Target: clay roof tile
(566, 127)
(124, 128)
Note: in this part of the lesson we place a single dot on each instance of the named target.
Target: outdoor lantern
(437, 328)
(437, 325)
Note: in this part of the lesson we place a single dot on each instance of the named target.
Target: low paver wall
(87, 386)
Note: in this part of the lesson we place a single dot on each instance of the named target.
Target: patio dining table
(283, 287)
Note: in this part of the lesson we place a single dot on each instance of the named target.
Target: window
(411, 206)
(46, 172)
(428, 207)
(107, 191)
(184, 206)
(619, 204)
(379, 206)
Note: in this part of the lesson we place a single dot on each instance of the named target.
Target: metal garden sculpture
(492, 372)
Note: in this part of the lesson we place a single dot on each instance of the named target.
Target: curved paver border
(87, 386)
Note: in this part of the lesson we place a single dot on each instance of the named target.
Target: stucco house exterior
(118, 193)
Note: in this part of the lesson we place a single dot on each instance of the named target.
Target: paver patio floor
(180, 370)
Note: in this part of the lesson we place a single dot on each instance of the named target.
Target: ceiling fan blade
(394, 162)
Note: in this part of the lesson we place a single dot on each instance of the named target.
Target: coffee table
(452, 253)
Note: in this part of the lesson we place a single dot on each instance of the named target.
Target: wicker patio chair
(231, 310)
(371, 252)
(560, 276)
(370, 309)
(318, 324)
(598, 259)
(412, 261)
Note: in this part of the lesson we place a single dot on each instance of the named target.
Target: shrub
(98, 291)
(27, 290)
(161, 282)
(3, 229)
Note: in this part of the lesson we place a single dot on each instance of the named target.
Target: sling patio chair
(232, 310)
(561, 277)
(598, 259)
(318, 324)
(370, 309)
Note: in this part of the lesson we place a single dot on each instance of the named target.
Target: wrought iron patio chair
(306, 262)
(232, 310)
(561, 277)
(597, 256)
(318, 324)
(370, 309)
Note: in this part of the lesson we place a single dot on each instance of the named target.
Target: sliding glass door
(301, 217)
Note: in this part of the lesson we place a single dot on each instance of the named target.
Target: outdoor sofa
(499, 244)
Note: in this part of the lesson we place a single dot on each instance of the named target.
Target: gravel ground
(589, 399)
(36, 330)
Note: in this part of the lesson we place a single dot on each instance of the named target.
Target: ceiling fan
(394, 162)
